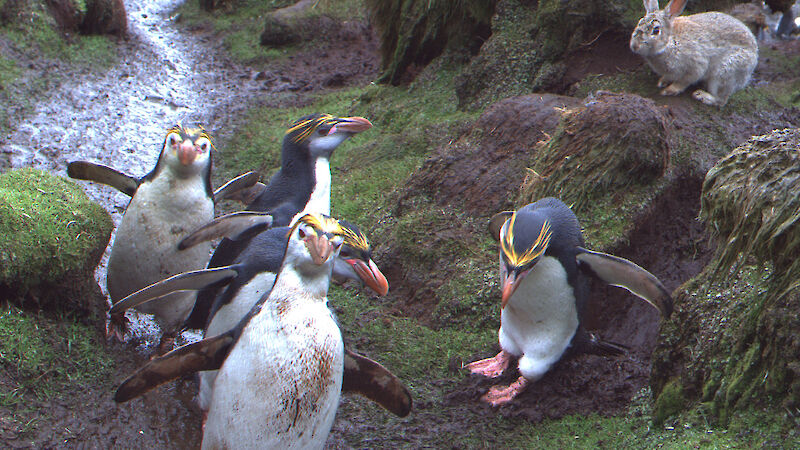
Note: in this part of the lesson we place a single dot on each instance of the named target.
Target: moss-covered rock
(735, 337)
(51, 239)
(750, 200)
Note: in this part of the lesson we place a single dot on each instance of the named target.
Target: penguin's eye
(656, 30)
(346, 252)
(322, 131)
(203, 144)
(173, 139)
(301, 233)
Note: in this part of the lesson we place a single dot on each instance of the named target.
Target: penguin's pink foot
(500, 395)
(491, 367)
(116, 326)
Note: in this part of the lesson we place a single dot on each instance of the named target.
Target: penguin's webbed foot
(491, 367)
(116, 326)
(500, 395)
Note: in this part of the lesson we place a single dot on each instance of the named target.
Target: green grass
(42, 356)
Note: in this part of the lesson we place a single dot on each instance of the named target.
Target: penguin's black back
(264, 253)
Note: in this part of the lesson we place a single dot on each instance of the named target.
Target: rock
(210, 5)
(734, 339)
(51, 239)
(414, 32)
(278, 33)
(105, 17)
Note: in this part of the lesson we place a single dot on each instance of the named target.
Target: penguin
(545, 279)
(174, 198)
(281, 368)
(256, 269)
(303, 182)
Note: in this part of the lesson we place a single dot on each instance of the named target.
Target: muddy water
(119, 117)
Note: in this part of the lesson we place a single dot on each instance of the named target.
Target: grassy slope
(409, 123)
(31, 38)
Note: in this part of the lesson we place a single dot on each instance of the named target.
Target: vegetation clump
(734, 341)
(51, 239)
(600, 155)
(414, 32)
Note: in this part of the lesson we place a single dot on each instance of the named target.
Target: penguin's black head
(524, 237)
(355, 260)
(320, 134)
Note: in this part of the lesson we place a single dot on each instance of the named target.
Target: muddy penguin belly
(280, 392)
(145, 248)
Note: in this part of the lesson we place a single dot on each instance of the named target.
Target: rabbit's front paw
(705, 97)
(673, 89)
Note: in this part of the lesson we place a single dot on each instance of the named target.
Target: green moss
(607, 169)
(670, 401)
(49, 229)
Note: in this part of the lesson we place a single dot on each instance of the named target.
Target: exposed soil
(668, 239)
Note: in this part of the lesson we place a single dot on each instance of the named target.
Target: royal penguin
(256, 268)
(303, 182)
(545, 275)
(281, 367)
(173, 199)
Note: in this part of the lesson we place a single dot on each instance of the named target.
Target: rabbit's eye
(656, 30)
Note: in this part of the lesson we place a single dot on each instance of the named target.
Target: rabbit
(712, 47)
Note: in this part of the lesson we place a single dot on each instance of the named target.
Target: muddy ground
(168, 418)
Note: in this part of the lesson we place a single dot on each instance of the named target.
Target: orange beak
(320, 248)
(370, 275)
(508, 285)
(186, 152)
(352, 125)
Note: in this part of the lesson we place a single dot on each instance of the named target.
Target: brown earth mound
(482, 170)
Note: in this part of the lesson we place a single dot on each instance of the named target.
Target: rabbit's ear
(650, 6)
(674, 8)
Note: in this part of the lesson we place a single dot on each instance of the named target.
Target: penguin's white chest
(541, 318)
(320, 201)
(280, 385)
(160, 214)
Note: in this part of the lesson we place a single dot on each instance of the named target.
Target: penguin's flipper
(247, 195)
(195, 280)
(230, 188)
(234, 226)
(370, 379)
(620, 272)
(208, 354)
(84, 170)
(496, 223)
